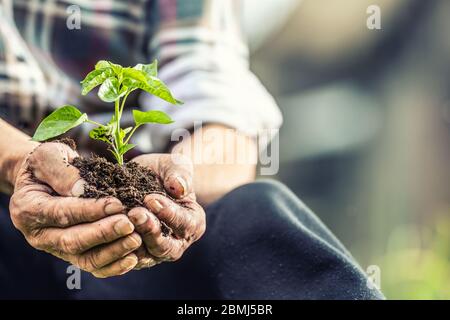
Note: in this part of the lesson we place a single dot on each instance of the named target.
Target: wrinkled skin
(97, 235)
(184, 216)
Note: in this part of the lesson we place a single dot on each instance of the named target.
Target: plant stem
(117, 139)
(123, 102)
(95, 122)
(131, 133)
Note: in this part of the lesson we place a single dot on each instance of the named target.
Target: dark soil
(68, 142)
(129, 183)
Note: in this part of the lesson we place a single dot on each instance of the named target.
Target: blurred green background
(366, 138)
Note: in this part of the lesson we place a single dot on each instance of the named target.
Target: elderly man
(261, 241)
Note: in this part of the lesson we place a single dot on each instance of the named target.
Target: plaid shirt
(197, 42)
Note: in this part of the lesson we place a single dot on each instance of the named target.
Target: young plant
(116, 83)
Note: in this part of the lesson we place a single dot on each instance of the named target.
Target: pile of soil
(129, 183)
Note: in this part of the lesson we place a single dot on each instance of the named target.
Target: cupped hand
(183, 215)
(93, 234)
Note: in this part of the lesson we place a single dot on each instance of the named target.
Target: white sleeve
(207, 67)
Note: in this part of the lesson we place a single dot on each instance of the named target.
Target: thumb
(50, 163)
(177, 173)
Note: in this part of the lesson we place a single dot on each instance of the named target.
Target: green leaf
(58, 122)
(93, 79)
(124, 90)
(112, 121)
(109, 90)
(150, 70)
(153, 116)
(133, 74)
(122, 133)
(117, 68)
(102, 64)
(102, 133)
(153, 86)
(158, 88)
(126, 147)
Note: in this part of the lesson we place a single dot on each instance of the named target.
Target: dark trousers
(261, 242)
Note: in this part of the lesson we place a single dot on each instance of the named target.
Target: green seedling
(116, 83)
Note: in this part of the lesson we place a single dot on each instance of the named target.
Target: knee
(266, 187)
(262, 192)
(263, 196)
(254, 212)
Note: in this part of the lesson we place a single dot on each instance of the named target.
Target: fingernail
(147, 262)
(132, 242)
(183, 185)
(128, 262)
(140, 218)
(78, 188)
(156, 206)
(123, 227)
(113, 207)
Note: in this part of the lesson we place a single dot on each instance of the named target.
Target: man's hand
(184, 216)
(93, 234)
